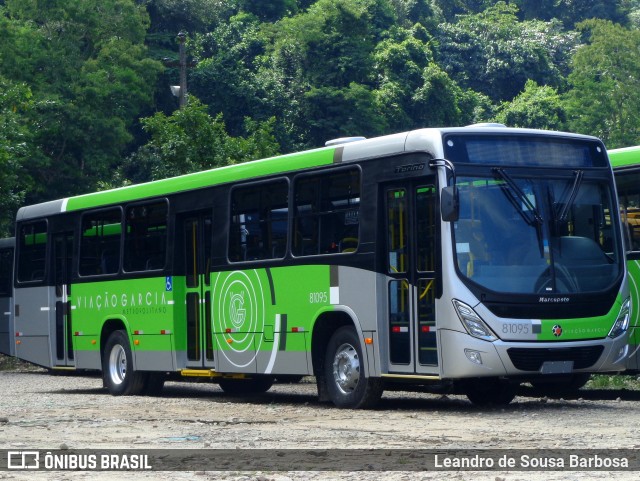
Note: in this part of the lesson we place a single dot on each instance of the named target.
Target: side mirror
(449, 204)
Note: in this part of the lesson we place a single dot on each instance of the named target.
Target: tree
(270, 11)
(84, 61)
(190, 140)
(537, 107)
(16, 149)
(494, 53)
(603, 99)
(224, 77)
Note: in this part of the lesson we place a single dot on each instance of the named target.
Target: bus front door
(411, 263)
(60, 316)
(197, 232)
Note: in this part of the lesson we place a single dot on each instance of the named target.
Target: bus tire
(117, 367)
(246, 387)
(490, 392)
(347, 385)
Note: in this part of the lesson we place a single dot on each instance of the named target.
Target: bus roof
(624, 157)
(421, 140)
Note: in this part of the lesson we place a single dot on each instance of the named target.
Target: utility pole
(182, 95)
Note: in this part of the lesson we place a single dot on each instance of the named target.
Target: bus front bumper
(466, 356)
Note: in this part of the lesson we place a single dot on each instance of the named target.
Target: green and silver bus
(626, 169)
(463, 260)
(7, 345)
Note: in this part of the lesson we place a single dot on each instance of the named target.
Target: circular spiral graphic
(238, 307)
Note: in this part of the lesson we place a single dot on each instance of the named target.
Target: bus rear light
(137, 333)
(425, 329)
(165, 331)
(77, 333)
(18, 334)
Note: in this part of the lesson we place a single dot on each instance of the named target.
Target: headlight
(622, 322)
(472, 322)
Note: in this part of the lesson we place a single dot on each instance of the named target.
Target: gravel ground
(40, 411)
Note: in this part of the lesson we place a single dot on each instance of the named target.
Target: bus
(460, 260)
(626, 169)
(6, 297)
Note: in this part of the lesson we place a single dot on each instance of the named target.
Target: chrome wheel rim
(346, 368)
(117, 364)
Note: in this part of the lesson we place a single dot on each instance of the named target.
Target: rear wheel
(488, 392)
(347, 385)
(117, 367)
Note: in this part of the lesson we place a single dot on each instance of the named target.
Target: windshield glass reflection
(544, 236)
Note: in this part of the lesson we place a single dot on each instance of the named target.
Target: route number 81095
(515, 328)
(318, 297)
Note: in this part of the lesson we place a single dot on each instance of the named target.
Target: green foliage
(85, 64)
(15, 149)
(190, 140)
(493, 53)
(537, 107)
(80, 87)
(603, 100)
(271, 10)
(227, 63)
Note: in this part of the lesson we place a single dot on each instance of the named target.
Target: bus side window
(145, 242)
(100, 242)
(259, 222)
(326, 213)
(629, 198)
(32, 251)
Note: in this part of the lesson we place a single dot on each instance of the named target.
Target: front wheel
(347, 385)
(117, 367)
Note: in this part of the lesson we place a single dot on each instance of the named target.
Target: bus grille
(532, 359)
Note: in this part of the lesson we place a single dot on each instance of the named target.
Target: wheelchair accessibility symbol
(169, 284)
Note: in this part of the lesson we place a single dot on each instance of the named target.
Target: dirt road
(39, 411)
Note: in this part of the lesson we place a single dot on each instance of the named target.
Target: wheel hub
(117, 364)
(346, 368)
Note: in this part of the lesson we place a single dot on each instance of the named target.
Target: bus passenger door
(411, 272)
(7, 331)
(197, 232)
(60, 316)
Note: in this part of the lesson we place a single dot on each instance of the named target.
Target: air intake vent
(532, 359)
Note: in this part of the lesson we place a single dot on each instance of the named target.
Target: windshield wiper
(568, 198)
(518, 198)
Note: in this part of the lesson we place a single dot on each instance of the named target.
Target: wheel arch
(324, 326)
(108, 327)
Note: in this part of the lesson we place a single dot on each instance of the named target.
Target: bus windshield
(536, 235)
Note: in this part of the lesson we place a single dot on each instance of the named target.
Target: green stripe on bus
(197, 180)
(624, 157)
